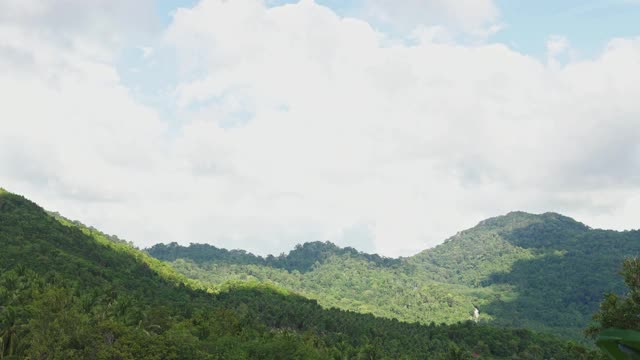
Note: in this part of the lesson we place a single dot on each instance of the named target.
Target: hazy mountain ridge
(546, 272)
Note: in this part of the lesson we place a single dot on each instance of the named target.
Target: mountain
(549, 271)
(72, 292)
(302, 258)
(546, 272)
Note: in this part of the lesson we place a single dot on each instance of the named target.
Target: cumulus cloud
(96, 27)
(295, 124)
(478, 18)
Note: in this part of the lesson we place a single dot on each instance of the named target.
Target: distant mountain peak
(520, 219)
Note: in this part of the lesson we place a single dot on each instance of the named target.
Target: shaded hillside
(472, 256)
(546, 272)
(68, 292)
(556, 269)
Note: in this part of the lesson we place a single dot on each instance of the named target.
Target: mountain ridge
(550, 264)
(494, 221)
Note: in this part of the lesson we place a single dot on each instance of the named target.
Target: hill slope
(68, 292)
(556, 269)
(546, 272)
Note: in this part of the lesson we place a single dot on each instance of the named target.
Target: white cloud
(96, 27)
(146, 51)
(299, 125)
(557, 44)
(478, 18)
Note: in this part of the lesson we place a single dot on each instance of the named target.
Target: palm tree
(9, 326)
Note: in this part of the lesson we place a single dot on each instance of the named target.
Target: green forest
(545, 272)
(71, 292)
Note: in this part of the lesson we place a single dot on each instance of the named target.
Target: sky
(260, 124)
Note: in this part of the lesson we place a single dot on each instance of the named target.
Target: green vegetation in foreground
(543, 272)
(67, 292)
(617, 327)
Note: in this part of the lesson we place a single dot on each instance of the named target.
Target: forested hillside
(69, 292)
(546, 272)
(337, 278)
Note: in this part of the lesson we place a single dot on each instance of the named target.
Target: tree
(9, 328)
(620, 311)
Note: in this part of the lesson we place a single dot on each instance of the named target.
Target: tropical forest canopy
(72, 292)
(546, 272)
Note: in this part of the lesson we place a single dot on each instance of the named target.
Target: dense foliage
(69, 292)
(555, 269)
(545, 272)
(621, 311)
(302, 259)
(342, 281)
